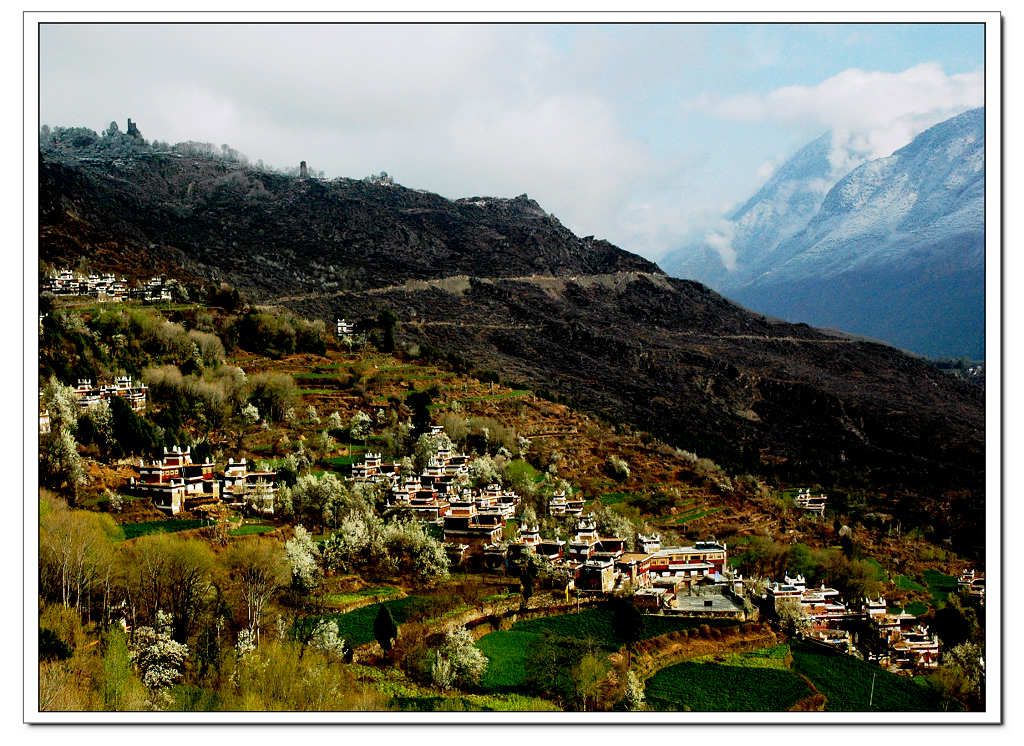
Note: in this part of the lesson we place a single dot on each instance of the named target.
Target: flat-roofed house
(704, 558)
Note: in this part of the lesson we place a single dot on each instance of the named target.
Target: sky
(640, 134)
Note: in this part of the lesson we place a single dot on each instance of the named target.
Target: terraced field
(712, 687)
(507, 650)
(852, 685)
(166, 526)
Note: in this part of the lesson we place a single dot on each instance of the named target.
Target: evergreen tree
(385, 630)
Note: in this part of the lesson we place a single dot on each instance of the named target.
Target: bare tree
(258, 570)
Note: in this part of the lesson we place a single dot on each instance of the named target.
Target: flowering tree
(458, 662)
(158, 658)
(301, 554)
(325, 637)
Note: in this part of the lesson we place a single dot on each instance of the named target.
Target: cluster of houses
(175, 483)
(905, 644)
(473, 524)
(973, 584)
(810, 503)
(89, 396)
(106, 287)
(344, 328)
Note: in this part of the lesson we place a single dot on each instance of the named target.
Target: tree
(962, 675)
(325, 637)
(301, 554)
(250, 415)
(616, 468)
(159, 658)
(526, 579)
(792, 616)
(386, 320)
(359, 426)
(564, 667)
(258, 571)
(955, 623)
(63, 465)
(411, 550)
(119, 687)
(385, 631)
(189, 563)
(75, 553)
(458, 662)
(426, 448)
(419, 403)
(51, 647)
(633, 697)
(587, 677)
(628, 624)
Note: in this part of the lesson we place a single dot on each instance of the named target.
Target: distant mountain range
(892, 250)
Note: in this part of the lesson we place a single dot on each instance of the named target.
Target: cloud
(460, 110)
(871, 113)
(765, 171)
(720, 240)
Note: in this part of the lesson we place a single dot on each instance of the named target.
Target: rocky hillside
(502, 284)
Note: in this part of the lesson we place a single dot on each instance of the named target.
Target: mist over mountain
(894, 250)
(730, 253)
(501, 283)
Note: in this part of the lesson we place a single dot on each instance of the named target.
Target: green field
(615, 498)
(356, 627)
(348, 598)
(940, 586)
(711, 687)
(880, 573)
(773, 657)
(168, 526)
(905, 583)
(251, 529)
(507, 649)
(407, 695)
(686, 518)
(520, 470)
(847, 683)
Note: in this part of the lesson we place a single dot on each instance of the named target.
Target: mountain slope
(505, 286)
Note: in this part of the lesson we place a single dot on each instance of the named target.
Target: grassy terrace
(412, 697)
(847, 683)
(166, 526)
(252, 529)
(356, 626)
(940, 586)
(507, 650)
(742, 685)
(341, 599)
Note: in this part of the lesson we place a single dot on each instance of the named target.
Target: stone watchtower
(303, 171)
(133, 130)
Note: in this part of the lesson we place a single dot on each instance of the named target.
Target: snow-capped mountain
(778, 210)
(894, 249)
(925, 202)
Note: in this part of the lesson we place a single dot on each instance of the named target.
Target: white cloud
(765, 171)
(871, 113)
(720, 240)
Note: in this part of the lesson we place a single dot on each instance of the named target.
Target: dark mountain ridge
(503, 284)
